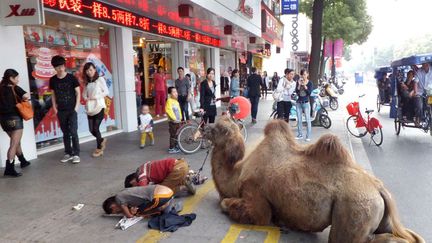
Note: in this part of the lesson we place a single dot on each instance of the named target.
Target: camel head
(226, 138)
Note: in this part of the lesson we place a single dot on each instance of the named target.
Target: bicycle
(190, 136)
(359, 127)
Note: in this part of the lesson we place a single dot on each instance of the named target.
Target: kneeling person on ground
(139, 201)
(169, 172)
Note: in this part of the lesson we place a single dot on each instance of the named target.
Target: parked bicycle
(190, 135)
(359, 127)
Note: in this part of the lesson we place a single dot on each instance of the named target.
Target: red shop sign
(111, 14)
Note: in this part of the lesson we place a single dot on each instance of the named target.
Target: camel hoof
(224, 205)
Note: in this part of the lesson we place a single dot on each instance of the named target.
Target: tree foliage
(346, 19)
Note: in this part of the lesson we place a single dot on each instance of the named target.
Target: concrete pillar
(13, 55)
(125, 76)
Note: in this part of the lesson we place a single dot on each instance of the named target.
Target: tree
(335, 19)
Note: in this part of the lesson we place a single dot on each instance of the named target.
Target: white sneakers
(66, 158)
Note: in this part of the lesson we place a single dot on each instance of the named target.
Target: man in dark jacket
(253, 84)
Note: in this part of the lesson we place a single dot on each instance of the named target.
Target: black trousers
(283, 110)
(254, 105)
(94, 124)
(69, 125)
(184, 106)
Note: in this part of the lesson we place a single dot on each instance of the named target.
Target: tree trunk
(322, 62)
(317, 19)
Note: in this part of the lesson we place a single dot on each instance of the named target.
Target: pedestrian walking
(95, 90)
(66, 97)
(275, 80)
(264, 84)
(286, 87)
(235, 84)
(208, 97)
(182, 85)
(224, 83)
(146, 126)
(11, 120)
(160, 87)
(304, 88)
(173, 111)
(253, 84)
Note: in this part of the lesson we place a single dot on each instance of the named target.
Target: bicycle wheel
(189, 139)
(243, 130)
(353, 129)
(378, 103)
(325, 121)
(334, 104)
(377, 136)
(397, 126)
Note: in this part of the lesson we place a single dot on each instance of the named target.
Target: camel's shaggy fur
(306, 188)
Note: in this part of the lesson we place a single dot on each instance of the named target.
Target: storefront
(124, 42)
(79, 41)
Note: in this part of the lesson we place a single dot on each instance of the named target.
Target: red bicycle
(359, 127)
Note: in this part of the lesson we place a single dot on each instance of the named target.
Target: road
(37, 206)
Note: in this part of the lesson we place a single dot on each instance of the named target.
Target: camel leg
(251, 208)
(387, 238)
(355, 221)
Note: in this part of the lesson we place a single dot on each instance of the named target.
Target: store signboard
(21, 12)
(249, 10)
(272, 28)
(290, 7)
(114, 15)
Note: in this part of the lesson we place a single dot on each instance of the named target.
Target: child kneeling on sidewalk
(173, 111)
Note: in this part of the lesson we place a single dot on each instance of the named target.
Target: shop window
(79, 42)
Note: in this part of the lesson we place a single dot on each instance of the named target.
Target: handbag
(24, 107)
(93, 107)
(246, 92)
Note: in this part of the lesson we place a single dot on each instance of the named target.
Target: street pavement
(37, 207)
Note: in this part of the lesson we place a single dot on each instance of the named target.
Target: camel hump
(329, 149)
(279, 127)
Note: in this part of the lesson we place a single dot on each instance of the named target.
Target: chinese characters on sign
(110, 14)
(290, 6)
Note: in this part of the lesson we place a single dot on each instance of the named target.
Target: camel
(302, 187)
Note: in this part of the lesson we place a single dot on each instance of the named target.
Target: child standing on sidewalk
(146, 126)
(173, 111)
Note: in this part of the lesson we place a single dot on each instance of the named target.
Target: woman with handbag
(282, 94)
(11, 119)
(94, 94)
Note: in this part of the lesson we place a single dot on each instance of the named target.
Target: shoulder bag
(24, 107)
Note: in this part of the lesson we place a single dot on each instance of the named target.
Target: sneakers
(299, 137)
(66, 158)
(103, 144)
(174, 151)
(190, 187)
(76, 159)
(152, 143)
(96, 153)
(142, 146)
(254, 121)
(307, 139)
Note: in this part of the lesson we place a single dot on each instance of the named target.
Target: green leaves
(346, 19)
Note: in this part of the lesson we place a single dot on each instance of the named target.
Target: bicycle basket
(353, 108)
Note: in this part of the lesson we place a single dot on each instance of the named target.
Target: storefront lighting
(228, 29)
(185, 11)
(78, 26)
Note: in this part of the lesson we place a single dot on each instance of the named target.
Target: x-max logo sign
(24, 12)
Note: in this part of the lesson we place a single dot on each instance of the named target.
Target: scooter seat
(369, 111)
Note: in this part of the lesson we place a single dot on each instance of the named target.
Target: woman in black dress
(10, 119)
(207, 96)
